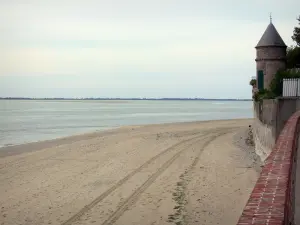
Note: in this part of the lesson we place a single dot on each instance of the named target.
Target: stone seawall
(264, 127)
(263, 138)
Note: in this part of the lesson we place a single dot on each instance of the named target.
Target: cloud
(150, 44)
(143, 47)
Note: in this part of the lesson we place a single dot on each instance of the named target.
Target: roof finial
(270, 17)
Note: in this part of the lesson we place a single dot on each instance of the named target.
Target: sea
(25, 121)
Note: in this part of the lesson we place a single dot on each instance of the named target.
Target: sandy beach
(181, 173)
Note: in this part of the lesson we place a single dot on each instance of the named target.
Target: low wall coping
(287, 97)
(270, 202)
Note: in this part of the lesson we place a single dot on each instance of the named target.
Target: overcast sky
(135, 48)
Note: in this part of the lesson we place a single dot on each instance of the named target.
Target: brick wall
(270, 52)
(270, 60)
(269, 68)
(272, 67)
(271, 201)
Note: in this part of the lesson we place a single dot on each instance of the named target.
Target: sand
(181, 173)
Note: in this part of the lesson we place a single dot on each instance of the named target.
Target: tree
(296, 36)
(293, 57)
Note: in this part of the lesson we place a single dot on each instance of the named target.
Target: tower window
(260, 80)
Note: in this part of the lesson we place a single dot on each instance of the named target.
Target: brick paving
(272, 200)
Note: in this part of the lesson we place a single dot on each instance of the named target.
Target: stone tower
(270, 56)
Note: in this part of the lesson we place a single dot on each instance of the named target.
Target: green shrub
(253, 82)
(276, 85)
(263, 94)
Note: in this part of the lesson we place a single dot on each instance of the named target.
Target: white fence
(294, 70)
(291, 88)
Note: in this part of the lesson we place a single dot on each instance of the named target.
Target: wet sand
(181, 173)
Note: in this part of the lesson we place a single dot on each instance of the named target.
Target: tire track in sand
(125, 179)
(181, 187)
(131, 200)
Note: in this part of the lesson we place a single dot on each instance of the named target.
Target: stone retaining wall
(263, 139)
(264, 127)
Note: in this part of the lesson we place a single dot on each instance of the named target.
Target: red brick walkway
(272, 199)
(297, 197)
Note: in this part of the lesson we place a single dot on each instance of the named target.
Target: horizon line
(93, 98)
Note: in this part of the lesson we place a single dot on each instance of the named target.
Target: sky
(135, 48)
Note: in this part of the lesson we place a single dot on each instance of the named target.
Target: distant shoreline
(125, 99)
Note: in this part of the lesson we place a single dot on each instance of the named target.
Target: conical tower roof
(271, 37)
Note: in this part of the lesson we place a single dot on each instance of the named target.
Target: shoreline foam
(13, 149)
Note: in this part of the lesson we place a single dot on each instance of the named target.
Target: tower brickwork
(270, 57)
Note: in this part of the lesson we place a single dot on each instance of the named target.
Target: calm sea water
(23, 121)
